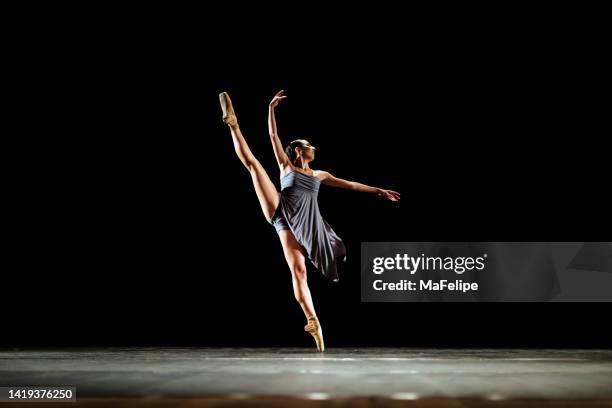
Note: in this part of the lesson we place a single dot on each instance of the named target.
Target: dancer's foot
(314, 328)
(229, 116)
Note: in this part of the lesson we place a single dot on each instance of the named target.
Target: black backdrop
(139, 226)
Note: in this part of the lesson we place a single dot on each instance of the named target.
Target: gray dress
(298, 210)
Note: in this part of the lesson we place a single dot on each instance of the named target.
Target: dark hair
(290, 150)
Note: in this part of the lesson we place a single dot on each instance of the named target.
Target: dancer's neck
(301, 165)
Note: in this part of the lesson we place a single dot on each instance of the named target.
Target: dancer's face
(307, 151)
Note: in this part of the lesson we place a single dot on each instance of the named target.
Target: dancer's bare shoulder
(321, 174)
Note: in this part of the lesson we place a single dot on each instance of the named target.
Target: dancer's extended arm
(281, 156)
(331, 180)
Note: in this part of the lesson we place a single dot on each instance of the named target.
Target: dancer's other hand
(389, 194)
(277, 98)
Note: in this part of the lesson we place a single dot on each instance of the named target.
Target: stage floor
(239, 374)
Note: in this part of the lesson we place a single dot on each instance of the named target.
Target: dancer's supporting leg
(297, 264)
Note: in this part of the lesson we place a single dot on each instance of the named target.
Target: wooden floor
(366, 377)
(285, 402)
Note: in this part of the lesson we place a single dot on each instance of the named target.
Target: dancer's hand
(276, 100)
(389, 194)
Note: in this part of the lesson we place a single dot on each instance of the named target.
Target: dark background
(137, 224)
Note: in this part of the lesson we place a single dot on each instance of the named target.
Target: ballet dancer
(294, 211)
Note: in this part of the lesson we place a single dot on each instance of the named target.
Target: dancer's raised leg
(264, 188)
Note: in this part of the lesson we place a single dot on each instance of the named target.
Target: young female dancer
(294, 212)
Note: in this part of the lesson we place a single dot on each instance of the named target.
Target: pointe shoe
(314, 328)
(229, 116)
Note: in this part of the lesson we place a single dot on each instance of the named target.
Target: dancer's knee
(299, 272)
(252, 165)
